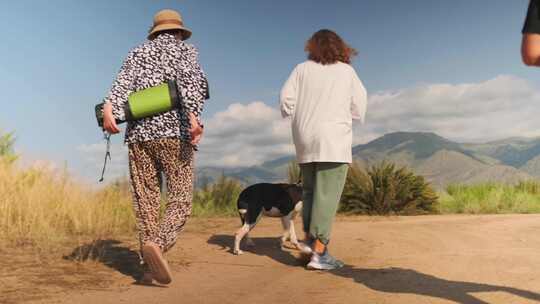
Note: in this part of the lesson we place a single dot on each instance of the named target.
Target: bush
(7, 153)
(384, 190)
(218, 198)
(530, 187)
(491, 198)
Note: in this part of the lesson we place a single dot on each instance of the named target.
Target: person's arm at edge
(530, 43)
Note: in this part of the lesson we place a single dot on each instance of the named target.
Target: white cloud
(249, 134)
(245, 135)
(497, 108)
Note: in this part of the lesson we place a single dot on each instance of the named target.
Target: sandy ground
(429, 259)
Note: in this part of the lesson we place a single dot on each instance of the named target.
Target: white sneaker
(324, 262)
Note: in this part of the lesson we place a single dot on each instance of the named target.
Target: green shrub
(530, 187)
(7, 153)
(383, 190)
(491, 198)
(218, 198)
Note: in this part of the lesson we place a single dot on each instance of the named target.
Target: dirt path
(432, 259)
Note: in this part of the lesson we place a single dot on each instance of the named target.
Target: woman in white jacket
(322, 96)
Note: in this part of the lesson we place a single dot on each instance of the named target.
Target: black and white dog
(274, 200)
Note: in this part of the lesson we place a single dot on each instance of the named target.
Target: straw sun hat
(168, 20)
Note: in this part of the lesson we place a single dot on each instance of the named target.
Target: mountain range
(440, 160)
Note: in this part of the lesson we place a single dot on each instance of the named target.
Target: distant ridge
(440, 160)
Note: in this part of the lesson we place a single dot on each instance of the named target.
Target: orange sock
(319, 247)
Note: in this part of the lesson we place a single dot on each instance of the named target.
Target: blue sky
(59, 58)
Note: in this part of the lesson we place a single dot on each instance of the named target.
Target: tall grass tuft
(218, 198)
(41, 207)
(384, 189)
(491, 198)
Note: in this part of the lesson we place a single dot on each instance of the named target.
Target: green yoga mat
(152, 101)
(147, 102)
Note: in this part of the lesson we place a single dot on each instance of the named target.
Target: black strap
(107, 137)
(207, 94)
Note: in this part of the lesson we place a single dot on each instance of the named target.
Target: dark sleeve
(532, 21)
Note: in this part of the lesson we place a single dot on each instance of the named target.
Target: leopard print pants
(147, 160)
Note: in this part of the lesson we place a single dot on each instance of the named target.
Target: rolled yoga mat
(147, 102)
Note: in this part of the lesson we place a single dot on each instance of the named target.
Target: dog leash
(107, 137)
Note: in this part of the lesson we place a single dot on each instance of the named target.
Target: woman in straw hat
(163, 143)
(322, 96)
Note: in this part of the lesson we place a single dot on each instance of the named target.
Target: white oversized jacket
(322, 101)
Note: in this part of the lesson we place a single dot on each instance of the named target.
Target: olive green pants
(323, 184)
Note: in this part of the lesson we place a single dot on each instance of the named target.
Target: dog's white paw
(238, 252)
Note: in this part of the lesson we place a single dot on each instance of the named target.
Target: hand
(196, 129)
(109, 123)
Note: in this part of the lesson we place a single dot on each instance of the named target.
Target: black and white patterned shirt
(151, 64)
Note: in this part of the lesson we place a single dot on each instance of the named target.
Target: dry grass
(45, 216)
(43, 209)
(40, 208)
(57, 235)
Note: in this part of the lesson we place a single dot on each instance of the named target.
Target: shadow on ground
(388, 280)
(112, 254)
(264, 246)
(399, 280)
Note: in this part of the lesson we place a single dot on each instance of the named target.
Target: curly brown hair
(326, 47)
